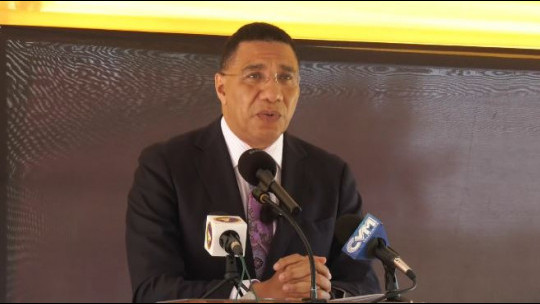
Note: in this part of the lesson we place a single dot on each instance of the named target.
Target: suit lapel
(292, 175)
(217, 174)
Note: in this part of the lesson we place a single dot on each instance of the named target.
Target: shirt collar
(236, 146)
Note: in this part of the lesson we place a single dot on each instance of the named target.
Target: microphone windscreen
(254, 160)
(216, 225)
(345, 227)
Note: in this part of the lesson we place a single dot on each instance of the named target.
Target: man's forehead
(263, 54)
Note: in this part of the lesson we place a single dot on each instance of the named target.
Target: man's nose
(272, 90)
(273, 78)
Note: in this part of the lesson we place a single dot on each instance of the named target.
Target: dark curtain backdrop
(445, 148)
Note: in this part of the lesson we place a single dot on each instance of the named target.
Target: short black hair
(257, 31)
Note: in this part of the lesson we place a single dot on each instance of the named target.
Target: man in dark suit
(180, 182)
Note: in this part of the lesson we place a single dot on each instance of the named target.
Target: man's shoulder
(184, 143)
(190, 138)
(313, 152)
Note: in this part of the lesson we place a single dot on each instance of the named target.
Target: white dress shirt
(236, 148)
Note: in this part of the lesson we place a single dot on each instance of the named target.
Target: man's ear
(219, 82)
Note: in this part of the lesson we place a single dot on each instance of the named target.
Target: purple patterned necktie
(260, 235)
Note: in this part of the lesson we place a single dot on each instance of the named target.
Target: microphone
(258, 168)
(366, 238)
(264, 199)
(225, 235)
(230, 241)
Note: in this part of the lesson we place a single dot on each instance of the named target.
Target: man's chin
(265, 138)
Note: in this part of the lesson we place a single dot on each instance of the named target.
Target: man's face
(259, 90)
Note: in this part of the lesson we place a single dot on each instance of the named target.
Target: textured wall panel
(446, 154)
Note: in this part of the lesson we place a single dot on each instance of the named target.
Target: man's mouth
(269, 115)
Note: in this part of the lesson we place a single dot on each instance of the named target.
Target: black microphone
(230, 241)
(366, 238)
(258, 168)
(225, 235)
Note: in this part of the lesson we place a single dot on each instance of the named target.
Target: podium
(357, 299)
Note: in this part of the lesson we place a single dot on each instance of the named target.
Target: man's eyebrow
(253, 67)
(287, 68)
(260, 66)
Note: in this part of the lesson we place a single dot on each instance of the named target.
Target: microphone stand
(231, 276)
(391, 283)
(262, 196)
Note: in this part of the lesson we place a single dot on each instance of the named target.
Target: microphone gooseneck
(264, 198)
(259, 169)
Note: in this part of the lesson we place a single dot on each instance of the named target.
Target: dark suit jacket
(180, 182)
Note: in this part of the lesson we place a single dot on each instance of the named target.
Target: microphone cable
(264, 198)
(245, 272)
(394, 293)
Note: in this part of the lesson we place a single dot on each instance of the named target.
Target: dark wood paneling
(445, 149)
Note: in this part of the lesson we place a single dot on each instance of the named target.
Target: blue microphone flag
(358, 246)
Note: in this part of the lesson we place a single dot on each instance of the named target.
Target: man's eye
(254, 76)
(285, 77)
